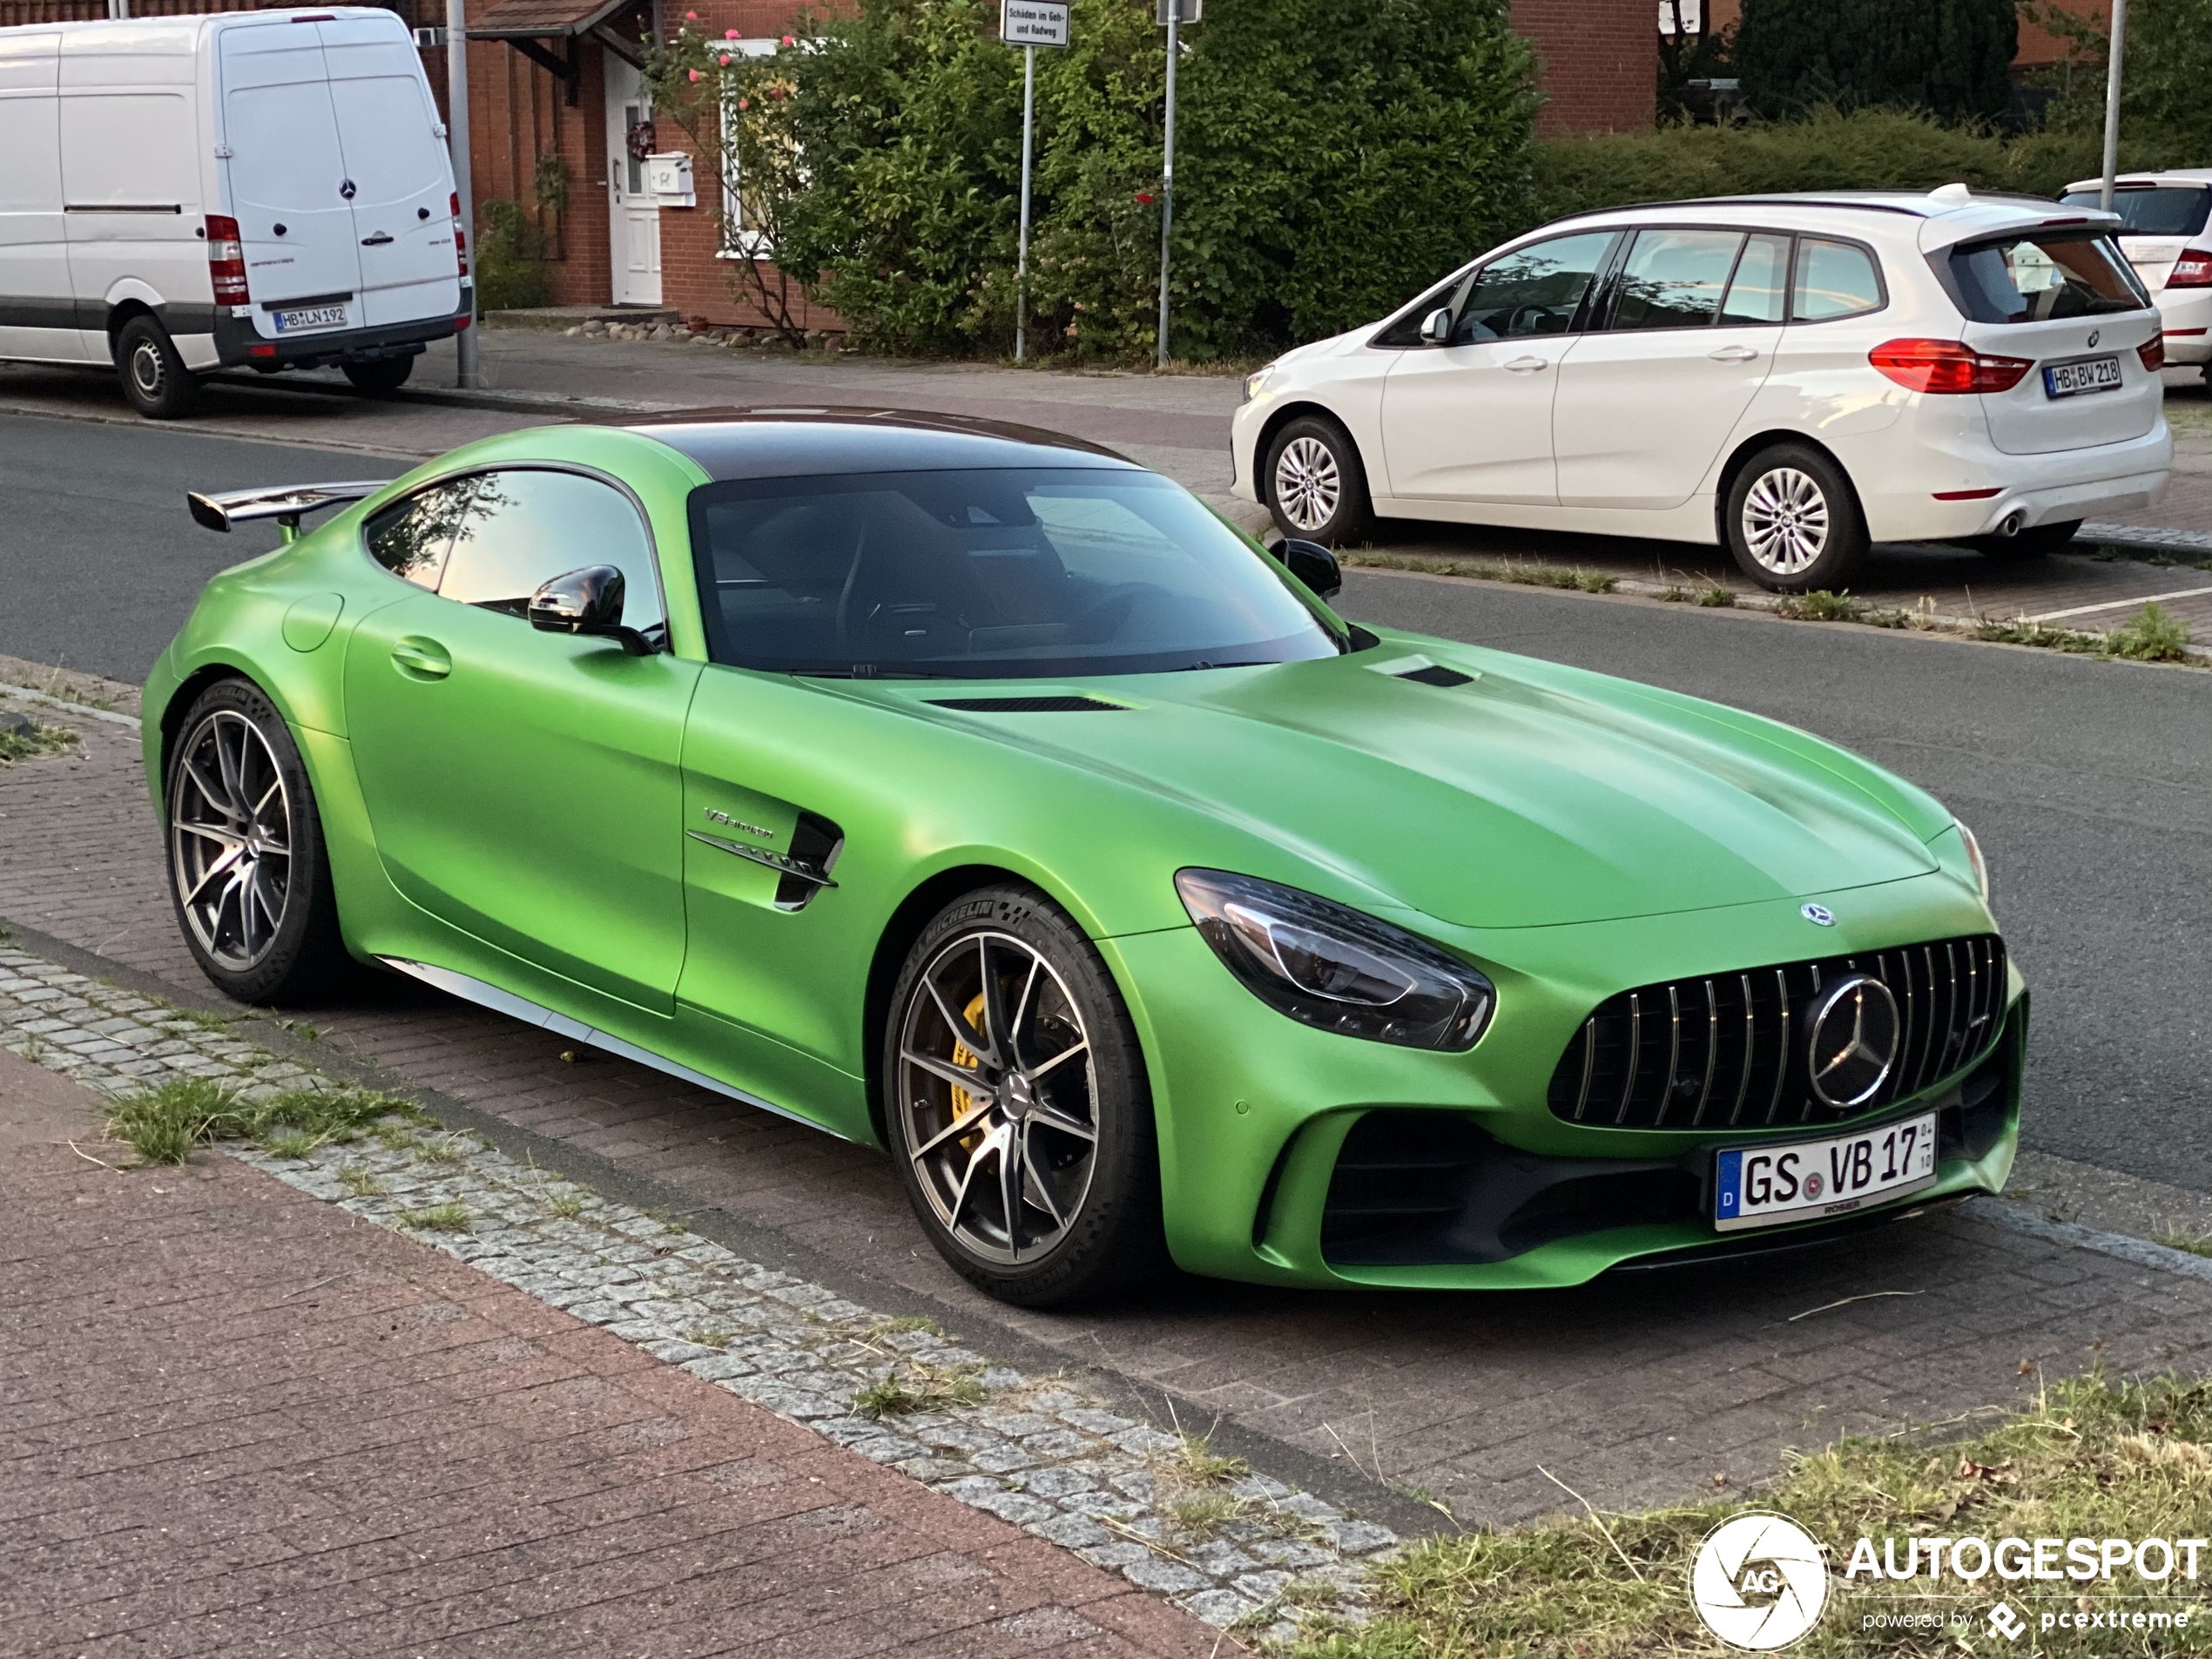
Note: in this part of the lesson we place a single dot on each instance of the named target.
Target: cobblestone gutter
(1235, 1548)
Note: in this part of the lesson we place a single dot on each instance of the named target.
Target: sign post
(1172, 15)
(2112, 102)
(458, 134)
(1029, 24)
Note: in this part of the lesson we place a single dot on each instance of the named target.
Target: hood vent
(1024, 705)
(1436, 674)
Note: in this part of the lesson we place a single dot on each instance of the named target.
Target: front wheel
(1314, 483)
(1017, 1106)
(1792, 521)
(247, 872)
(154, 378)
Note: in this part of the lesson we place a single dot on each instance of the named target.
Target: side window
(522, 528)
(1534, 290)
(1674, 278)
(410, 537)
(1834, 280)
(1755, 292)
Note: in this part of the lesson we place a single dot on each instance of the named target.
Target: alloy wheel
(998, 1097)
(1308, 484)
(230, 838)
(1785, 520)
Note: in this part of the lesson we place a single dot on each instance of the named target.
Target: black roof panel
(792, 441)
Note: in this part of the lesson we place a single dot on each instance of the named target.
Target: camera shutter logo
(1850, 1042)
(1759, 1582)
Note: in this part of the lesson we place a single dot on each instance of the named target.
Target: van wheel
(1314, 484)
(154, 377)
(1792, 521)
(379, 376)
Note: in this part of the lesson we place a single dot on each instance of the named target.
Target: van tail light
(2153, 351)
(226, 261)
(460, 236)
(2192, 270)
(1947, 366)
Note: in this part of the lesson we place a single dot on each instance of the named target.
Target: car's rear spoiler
(287, 503)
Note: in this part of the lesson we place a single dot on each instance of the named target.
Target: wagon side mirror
(1436, 327)
(587, 601)
(1313, 564)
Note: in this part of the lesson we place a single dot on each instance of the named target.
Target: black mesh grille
(1727, 1051)
(1025, 704)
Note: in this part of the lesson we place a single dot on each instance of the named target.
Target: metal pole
(1022, 259)
(1167, 179)
(457, 140)
(2112, 101)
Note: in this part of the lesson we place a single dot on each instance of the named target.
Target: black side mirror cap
(587, 601)
(1313, 564)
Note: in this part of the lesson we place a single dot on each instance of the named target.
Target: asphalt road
(2089, 782)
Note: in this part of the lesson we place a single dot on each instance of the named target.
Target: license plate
(2086, 374)
(1760, 1186)
(309, 318)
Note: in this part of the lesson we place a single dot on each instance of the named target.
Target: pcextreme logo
(1759, 1582)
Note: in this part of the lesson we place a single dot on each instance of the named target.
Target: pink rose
(729, 34)
(788, 41)
(724, 60)
(693, 73)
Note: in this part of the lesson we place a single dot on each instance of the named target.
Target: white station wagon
(1791, 376)
(2163, 232)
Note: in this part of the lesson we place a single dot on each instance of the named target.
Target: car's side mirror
(1436, 327)
(1313, 564)
(587, 601)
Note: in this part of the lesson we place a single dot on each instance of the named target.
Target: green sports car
(974, 792)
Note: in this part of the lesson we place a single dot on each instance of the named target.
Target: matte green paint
(512, 805)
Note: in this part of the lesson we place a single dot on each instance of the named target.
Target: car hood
(1531, 795)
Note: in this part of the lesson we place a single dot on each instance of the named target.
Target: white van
(268, 190)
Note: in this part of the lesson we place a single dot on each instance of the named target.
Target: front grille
(1727, 1051)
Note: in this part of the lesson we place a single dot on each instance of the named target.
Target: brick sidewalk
(240, 1421)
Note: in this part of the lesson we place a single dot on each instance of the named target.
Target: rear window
(1834, 280)
(2042, 277)
(2151, 210)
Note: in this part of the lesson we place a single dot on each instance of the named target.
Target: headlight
(1336, 969)
(1256, 383)
(1974, 858)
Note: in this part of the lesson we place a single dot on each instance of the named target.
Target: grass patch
(1533, 576)
(887, 1326)
(363, 1183)
(451, 1217)
(31, 741)
(2024, 632)
(2195, 1244)
(446, 1149)
(1196, 1462)
(2092, 1458)
(568, 1206)
(708, 1336)
(1199, 1516)
(206, 1019)
(1821, 605)
(919, 1386)
(2151, 635)
(1714, 596)
(163, 1124)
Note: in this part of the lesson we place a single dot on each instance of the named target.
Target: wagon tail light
(459, 238)
(2191, 271)
(1947, 366)
(2153, 351)
(226, 261)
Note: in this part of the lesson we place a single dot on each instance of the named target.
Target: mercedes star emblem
(1819, 915)
(1852, 1041)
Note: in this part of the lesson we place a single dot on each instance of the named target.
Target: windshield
(987, 575)
(2151, 210)
(2043, 277)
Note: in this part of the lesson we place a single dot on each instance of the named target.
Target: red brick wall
(1598, 63)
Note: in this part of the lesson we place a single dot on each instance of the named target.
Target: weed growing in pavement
(446, 1149)
(1821, 605)
(708, 1336)
(1534, 575)
(2091, 1458)
(451, 1217)
(2151, 636)
(2024, 632)
(291, 1144)
(206, 1019)
(164, 1121)
(32, 741)
(363, 1183)
(568, 1206)
(920, 1387)
(1195, 1461)
(34, 1048)
(1713, 596)
(2175, 1238)
(1199, 1516)
(891, 1327)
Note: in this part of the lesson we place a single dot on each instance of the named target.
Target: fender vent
(1024, 705)
(1436, 674)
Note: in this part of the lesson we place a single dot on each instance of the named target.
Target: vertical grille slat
(1749, 1071)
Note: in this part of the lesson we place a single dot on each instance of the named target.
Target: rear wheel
(1314, 483)
(1016, 1101)
(2028, 543)
(154, 377)
(1792, 521)
(379, 376)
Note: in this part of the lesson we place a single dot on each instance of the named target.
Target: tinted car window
(2040, 276)
(1756, 292)
(1534, 290)
(521, 528)
(1674, 278)
(1834, 280)
(986, 574)
(2155, 209)
(409, 538)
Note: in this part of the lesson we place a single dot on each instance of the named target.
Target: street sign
(1033, 22)
(1179, 11)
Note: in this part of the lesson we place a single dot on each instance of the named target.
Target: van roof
(193, 24)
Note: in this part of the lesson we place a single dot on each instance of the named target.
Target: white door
(38, 314)
(1472, 421)
(633, 234)
(289, 189)
(1646, 402)
(402, 180)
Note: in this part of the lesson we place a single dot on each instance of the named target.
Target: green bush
(505, 280)
(1950, 57)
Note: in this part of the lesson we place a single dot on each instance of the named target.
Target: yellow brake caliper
(968, 1103)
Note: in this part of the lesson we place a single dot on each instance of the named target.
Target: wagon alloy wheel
(231, 840)
(998, 1093)
(1308, 482)
(1785, 520)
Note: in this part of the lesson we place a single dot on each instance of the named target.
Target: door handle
(1528, 365)
(422, 659)
(1732, 355)
(377, 241)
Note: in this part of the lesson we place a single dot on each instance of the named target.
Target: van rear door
(287, 173)
(387, 129)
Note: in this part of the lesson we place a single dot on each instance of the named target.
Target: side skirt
(529, 1013)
